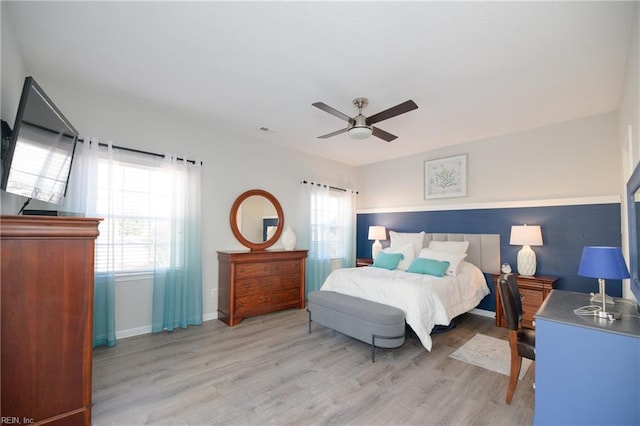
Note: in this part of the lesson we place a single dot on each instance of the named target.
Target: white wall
(578, 158)
(13, 72)
(12, 69)
(630, 123)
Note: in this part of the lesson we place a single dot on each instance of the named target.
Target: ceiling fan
(361, 127)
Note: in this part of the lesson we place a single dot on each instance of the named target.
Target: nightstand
(533, 290)
(363, 262)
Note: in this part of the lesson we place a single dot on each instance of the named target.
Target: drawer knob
(241, 303)
(241, 269)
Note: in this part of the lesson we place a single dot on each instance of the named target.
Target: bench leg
(373, 343)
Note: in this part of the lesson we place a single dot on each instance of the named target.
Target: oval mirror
(256, 219)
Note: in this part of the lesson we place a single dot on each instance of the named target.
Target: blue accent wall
(565, 231)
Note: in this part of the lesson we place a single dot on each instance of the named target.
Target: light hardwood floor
(269, 370)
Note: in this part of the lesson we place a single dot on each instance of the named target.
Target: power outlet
(214, 293)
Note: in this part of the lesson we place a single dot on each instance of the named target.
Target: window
(328, 225)
(331, 213)
(136, 227)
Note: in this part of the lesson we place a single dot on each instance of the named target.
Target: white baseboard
(146, 329)
(484, 313)
(209, 317)
(123, 334)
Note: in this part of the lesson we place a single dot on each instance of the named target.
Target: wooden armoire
(47, 318)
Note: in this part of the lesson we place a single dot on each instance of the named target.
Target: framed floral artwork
(445, 177)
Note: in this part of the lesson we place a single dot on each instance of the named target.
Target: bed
(426, 300)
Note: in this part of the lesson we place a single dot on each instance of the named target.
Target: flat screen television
(37, 161)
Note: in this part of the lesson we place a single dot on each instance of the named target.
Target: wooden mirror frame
(234, 224)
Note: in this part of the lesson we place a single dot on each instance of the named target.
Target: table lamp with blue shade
(603, 263)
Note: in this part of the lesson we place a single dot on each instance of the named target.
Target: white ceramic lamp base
(375, 249)
(526, 261)
(288, 239)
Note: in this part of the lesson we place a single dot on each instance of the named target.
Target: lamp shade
(377, 233)
(524, 235)
(603, 262)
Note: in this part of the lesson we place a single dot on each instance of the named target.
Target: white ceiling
(475, 69)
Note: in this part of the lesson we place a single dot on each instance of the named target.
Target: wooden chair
(521, 341)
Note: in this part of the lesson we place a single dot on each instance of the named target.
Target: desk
(587, 368)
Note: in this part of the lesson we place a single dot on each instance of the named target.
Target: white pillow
(407, 253)
(454, 259)
(416, 239)
(449, 246)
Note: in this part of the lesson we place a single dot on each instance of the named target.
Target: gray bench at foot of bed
(371, 322)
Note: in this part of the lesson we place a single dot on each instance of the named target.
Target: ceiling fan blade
(333, 111)
(337, 132)
(392, 112)
(386, 136)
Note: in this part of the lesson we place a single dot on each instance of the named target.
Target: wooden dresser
(533, 291)
(256, 282)
(47, 318)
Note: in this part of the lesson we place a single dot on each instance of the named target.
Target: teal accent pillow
(433, 267)
(387, 260)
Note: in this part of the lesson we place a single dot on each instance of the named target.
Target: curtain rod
(328, 186)
(139, 151)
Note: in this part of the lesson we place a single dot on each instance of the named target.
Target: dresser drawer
(286, 296)
(261, 269)
(531, 297)
(251, 270)
(254, 302)
(254, 285)
(287, 281)
(288, 267)
(531, 301)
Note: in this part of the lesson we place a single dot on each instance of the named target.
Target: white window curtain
(177, 278)
(331, 230)
(151, 225)
(83, 196)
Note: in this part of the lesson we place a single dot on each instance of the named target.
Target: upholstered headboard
(484, 249)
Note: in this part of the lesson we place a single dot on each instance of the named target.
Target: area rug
(490, 353)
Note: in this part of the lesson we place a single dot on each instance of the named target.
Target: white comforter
(426, 300)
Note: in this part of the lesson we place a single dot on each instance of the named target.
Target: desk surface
(560, 304)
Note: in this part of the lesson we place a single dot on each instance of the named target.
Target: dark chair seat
(521, 341)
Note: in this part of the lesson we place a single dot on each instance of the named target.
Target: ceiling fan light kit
(360, 130)
(361, 127)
